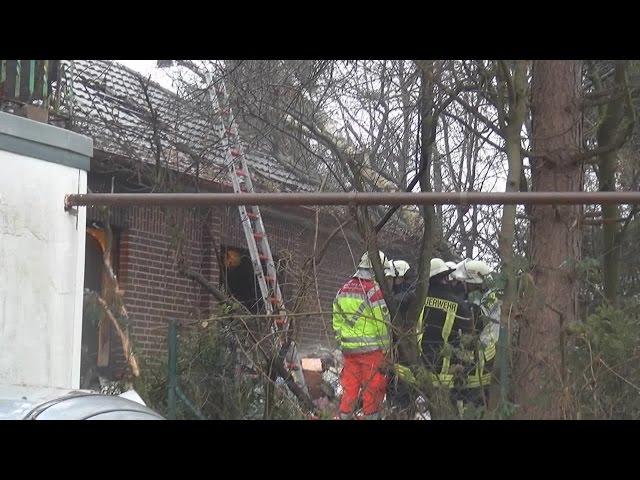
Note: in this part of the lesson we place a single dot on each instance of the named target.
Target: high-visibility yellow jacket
(361, 317)
(445, 318)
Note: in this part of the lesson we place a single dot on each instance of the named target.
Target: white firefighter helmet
(438, 266)
(471, 271)
(397, 268)
(366, 263)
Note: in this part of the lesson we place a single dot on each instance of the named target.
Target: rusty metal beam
(350, 198)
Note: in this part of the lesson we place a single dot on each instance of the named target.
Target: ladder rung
(258, 235)
(252, 215)
(241, 173)
(263, 257)
(269, 278)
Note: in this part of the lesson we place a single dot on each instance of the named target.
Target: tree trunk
(608, 132)
(406, 126)
(513, 129)
(555, 241)
(610, 212)
(438, 185)
(427, 134)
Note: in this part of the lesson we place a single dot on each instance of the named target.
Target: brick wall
(156, 292)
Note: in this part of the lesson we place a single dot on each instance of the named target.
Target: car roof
(88, 406)
(40, 403)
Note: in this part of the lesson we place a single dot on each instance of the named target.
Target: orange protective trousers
(363, 371)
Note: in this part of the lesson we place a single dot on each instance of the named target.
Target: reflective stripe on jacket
(361, 317)
(446, 312)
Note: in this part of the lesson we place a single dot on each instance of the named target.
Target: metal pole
(172, 376)
(351, 198)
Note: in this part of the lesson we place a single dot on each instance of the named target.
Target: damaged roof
(128, 115)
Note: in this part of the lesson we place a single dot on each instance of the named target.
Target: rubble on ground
(321, 368)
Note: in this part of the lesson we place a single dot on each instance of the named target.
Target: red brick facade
(155, 291)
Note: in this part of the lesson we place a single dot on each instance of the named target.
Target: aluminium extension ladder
(254, 231)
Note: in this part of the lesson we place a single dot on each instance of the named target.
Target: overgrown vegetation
(213, 377)
(605, 364)
(604, 358)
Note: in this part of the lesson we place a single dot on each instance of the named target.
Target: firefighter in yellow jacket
(360, 322)
(485, 308)
(446, 334)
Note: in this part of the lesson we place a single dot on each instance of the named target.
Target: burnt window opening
(95, 359)
(238, 279)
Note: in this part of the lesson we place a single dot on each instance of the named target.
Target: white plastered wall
(41, 272)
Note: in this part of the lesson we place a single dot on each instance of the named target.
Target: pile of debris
(321, 368)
